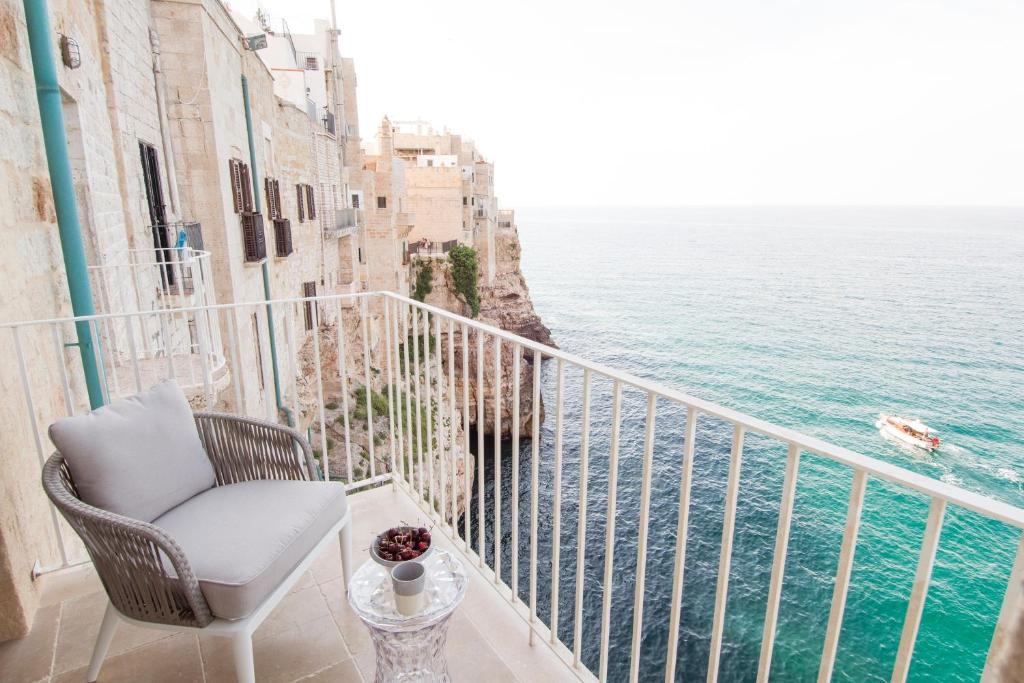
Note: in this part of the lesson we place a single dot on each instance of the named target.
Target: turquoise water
(815, 319)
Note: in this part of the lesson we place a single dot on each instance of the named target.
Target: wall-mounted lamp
(70, 53)
(256, 42)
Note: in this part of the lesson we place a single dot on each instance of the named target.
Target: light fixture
(70, 53)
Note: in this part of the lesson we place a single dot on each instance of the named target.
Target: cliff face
(505, 303)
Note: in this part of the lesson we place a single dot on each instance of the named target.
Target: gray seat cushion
(242, 540)
(138, 457)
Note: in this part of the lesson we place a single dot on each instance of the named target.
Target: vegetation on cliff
(464, 274)
(424, 281)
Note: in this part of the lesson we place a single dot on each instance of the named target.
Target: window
(311, 64)
(382, 202)
(355, 201)
(273, 191)
(359, 254)
(299, 194)
(241, 185)
(465, 200)
(283, 236)
(309, 289)
(310, 202)
(253, 239)
(430, 162)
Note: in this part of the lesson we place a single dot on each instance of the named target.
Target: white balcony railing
(588, 604)
(180, 336)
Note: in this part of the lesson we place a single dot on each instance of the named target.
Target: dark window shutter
(235, 173)
(298, 194)
(309, 289)
(277, 199)
(283, 236)
(246, 181)
(311, 201)
(253, 238)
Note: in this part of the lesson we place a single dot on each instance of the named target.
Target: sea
(816, 319)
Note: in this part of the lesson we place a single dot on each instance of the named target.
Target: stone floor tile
(29, 659)
(170, 660)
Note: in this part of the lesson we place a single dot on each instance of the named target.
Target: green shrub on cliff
(464, 270)
(424, 280)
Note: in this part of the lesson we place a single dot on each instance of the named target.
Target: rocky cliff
(504, 303)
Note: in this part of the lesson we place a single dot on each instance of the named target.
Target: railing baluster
(428, 392)
(556, 503)
(97, 352)
(415, 342)
(408, 421)
(465, 434)
(1013, 603)
(843, 571)
(452, 395)
(581, 522)
(236, 371)
(400, 417)
(497, 460)
(129, 325)
(609, 532)
(343, 376)
(167, 345)
(641, 545)
(779, 562)
(915, 608)
(480, 445)
(682, 529)
(517, 351)
(365, 313)
(65, 383)
(30, 408)
(534, 483)
(391, 393)
(725, 558)
(438, 353)
(319, 391)
(291, 312)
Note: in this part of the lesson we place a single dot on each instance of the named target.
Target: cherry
(423, 546)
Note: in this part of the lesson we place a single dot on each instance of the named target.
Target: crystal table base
(411, 656)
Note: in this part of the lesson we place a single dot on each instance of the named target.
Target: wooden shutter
(253, 238)
(299, 193)
(283, 236)
(246, 181)
(311, 201)
(309, 289)
(277, 199)
(235, 175)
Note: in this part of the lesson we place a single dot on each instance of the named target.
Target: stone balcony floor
(311, 636)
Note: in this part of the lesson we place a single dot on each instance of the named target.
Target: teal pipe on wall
(266, 271)
(51, 113)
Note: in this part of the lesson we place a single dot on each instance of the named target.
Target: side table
(409, 648)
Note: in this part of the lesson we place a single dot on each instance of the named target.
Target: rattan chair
(147, 574)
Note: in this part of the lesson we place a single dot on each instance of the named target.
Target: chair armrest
(129, 557)
(246, 449)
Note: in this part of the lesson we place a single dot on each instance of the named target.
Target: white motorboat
(909, 431)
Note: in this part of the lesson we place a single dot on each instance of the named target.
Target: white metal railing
(432, 370)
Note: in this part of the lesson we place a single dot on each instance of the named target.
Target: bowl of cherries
(400, 544)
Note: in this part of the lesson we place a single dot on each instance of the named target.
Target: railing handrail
(192, 254)
(983, 505)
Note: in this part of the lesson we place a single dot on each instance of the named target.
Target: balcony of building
(584, 546)
(427, 249)
(159, 321)
(346, 223)
(506, 219)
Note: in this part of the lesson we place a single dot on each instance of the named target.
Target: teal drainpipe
(266, 271)
(55, 140)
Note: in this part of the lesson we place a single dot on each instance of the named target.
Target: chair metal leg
(99, 652)
(245, 668)
(345, 539)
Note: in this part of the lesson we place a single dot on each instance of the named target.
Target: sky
(725, 102)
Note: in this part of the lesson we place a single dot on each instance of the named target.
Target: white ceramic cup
(408, 581)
